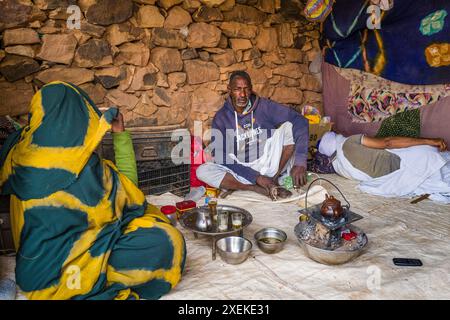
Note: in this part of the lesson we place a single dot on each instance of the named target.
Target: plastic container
(212, 192)
(195, 194)
(184, 206)
(171, 213)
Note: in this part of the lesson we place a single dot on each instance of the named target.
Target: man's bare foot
(284, 193)
(275, 179)
(280, 193)
(260, 190)
(275, 193)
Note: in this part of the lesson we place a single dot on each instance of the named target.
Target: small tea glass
(212, 204)
(236, 220)
(222, 221)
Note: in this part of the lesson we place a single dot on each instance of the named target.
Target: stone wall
(162, 62)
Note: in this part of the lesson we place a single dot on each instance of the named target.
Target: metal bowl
(234, 250)
(270, 240)
(331, 257)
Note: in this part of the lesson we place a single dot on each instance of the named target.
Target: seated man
(392, 166)
(82, 228)
(255, 141)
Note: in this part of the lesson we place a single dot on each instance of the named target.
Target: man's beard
(241, 103)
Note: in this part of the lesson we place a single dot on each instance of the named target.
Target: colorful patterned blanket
(408, 43)
(372, 105)
(372, 98)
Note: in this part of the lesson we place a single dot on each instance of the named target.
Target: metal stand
(334, 226)
(214, 239)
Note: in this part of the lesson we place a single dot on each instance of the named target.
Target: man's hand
(298, 174)
(439, 143)
(117, 124)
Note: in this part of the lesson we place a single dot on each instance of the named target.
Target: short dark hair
(240, 74)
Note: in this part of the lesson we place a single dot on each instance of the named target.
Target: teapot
(203, 222)
(331, 208)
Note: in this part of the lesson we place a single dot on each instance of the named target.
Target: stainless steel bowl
(331, 257)
(234, 250)
(270, 240)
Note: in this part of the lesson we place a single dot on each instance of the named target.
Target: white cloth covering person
(423, 169)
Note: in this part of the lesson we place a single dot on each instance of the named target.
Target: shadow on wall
(291, 9)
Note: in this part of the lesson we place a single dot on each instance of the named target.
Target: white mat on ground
(316, 194)
(395, 228)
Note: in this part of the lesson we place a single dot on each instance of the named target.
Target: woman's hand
(117, 124)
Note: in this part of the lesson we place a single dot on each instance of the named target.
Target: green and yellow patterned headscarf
(64, 129)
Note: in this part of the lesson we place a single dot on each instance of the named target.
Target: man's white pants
(267, 164)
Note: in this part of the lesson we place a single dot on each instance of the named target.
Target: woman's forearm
(124, 155)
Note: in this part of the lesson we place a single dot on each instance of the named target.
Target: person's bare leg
(230, 183)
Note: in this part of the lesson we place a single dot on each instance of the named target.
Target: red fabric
(349, 236)
(197, 159)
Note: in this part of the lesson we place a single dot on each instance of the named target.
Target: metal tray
(189, 220)
(347, 218)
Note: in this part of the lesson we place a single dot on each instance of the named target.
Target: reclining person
(391, 166)
(256, 143)
(82, 228)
